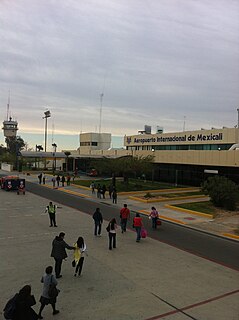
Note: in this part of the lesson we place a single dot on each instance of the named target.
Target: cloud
(156, 61)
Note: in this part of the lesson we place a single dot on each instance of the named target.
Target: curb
(210, 216)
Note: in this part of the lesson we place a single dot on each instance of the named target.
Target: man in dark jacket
(97, 216)
(58, 252)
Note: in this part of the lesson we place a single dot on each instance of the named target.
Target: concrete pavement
(148, 280)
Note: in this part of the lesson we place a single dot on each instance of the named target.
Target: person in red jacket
(138, 225)
(124, 216)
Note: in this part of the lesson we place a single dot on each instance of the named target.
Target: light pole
(47, 115)
(54, 155)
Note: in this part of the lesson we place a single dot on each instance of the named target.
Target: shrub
(222, 191)
(149, 195)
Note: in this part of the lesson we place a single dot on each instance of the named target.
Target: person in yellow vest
(51, 209)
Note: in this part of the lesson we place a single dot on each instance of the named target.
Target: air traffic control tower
(10, 128)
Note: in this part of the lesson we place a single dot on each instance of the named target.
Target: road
(208, 246)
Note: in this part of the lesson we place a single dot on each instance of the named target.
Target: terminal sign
(185, 138)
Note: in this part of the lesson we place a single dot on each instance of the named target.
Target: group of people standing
(101, 191)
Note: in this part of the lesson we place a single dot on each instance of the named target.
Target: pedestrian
(154, 216)
(80, 250)
(103, 190)
(97, 216)
(58, 179)
(53, 181)
(51, 209)
(58, 252)
(40, 178)
(43, 178)
(92, 186)
(68, 180)
(48, 279)
(63, 179)
(99, 191)
(23, 305)
(114, 195)
(124, 216)
(111, 229)
(137, 224)
(110, 190)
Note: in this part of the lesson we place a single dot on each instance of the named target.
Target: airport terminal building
(189, 157)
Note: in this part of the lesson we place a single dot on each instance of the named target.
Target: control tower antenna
(8, 104)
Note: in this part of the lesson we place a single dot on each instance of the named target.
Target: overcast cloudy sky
(156, 61)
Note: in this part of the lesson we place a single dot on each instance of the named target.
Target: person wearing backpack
(48, 279)
(20, 307)
(111, 229)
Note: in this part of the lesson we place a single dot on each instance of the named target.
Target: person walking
(124, 216)
(99, 191)
(68, 180)
(63, 179)
(92, 186)
(53, 182)
(43, 178)
(111, 229)
(58, 179)
(114, 196)
(80, 250)
(97, 216)
(110, 190)
(47, 279)
(40, 178)
(58, 252)
(103, 191)
(51, 209)
(23, 305)
(154, 217)
(137, 223)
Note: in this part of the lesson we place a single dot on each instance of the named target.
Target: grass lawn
(133, 185)
(182, 194)
(205, 207)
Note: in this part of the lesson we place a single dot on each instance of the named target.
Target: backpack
(10, 307)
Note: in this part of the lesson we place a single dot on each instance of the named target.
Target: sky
(115, 66)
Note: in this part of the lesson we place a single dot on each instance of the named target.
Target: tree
(67, 153)
(125, 166)
(14, 144)
(222, 191)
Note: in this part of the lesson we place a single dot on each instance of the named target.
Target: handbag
(52, 291)
(159, 222)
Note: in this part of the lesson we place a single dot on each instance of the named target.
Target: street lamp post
(54, 155)
(47, 115)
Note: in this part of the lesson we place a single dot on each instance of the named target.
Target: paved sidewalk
(199, 221)
(149, 280)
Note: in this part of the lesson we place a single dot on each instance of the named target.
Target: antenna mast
(8, 104)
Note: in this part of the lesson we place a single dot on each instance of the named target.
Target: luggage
(159, 222)
(144, 233)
